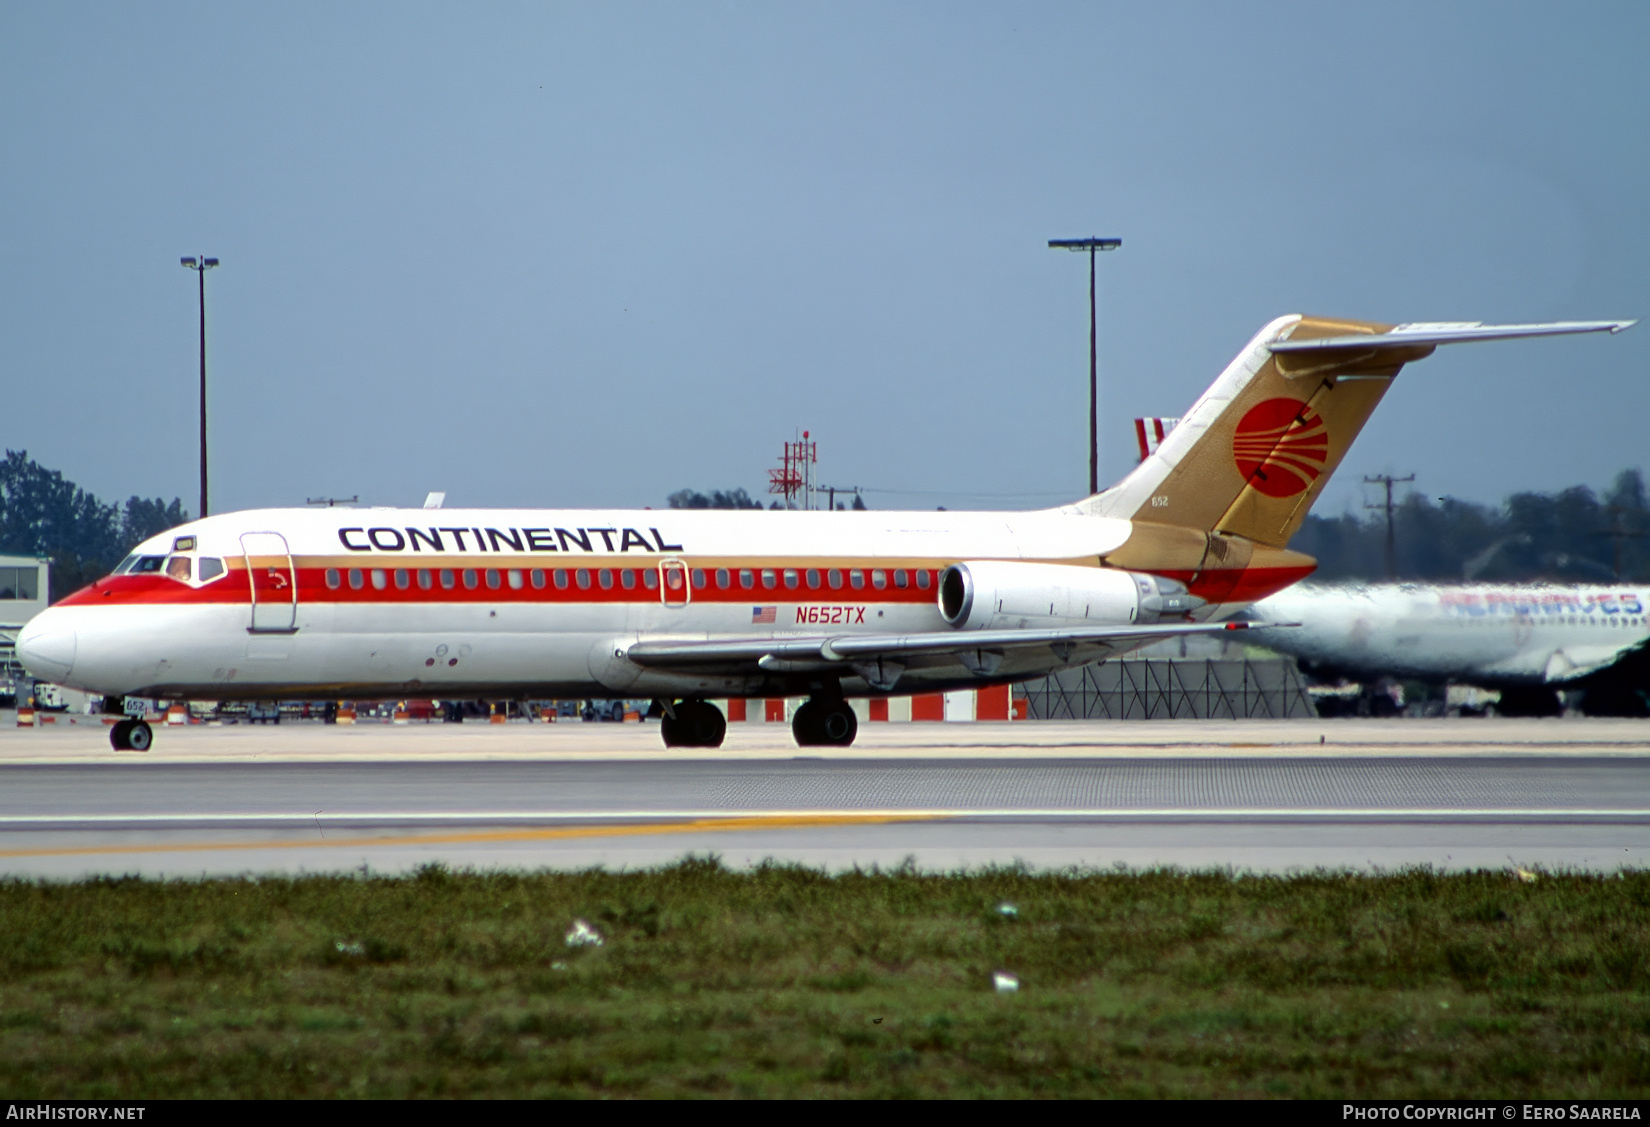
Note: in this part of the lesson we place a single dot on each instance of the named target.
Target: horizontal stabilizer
(1447, 332)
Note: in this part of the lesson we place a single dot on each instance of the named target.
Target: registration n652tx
(830, 616)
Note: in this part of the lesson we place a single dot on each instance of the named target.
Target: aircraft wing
(1447, 332)
(823, 650)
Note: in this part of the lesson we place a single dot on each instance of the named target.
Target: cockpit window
(124, 565)
(211, 568)
(178, 567)
(146, 564)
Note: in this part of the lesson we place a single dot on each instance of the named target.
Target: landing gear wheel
(131, 735)
(1537, 700)
(824, 724)
(697, 723)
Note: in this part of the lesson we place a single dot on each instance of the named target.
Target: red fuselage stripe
(1215, 586)
(1244, 585)
(314, 587)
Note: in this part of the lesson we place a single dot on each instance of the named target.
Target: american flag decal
(763, 614)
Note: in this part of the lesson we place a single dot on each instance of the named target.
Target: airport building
(25, 587)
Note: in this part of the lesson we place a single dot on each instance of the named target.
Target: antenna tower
(795, 476)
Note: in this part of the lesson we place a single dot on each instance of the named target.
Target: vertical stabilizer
(1255, 451)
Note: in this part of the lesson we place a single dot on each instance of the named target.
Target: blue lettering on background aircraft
(1532, 604)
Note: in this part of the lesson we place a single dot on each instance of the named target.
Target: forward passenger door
(273, 582)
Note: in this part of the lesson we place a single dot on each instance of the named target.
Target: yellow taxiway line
(479, 836)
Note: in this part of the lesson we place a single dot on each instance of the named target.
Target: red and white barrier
(994, 703)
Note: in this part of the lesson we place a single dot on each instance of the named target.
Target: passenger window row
(627, 578)
(814, 578)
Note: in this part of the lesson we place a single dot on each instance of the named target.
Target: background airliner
(1525, 640)
(688, 605)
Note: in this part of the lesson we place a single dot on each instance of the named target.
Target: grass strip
(784, 981)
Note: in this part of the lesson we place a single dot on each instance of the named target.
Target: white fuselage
(1487, 634)
(463, 603)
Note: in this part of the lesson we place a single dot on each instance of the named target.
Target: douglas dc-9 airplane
(684, 606)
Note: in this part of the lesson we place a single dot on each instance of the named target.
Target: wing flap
(856, 648)
(694, 651)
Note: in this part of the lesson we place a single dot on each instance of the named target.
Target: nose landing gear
(697, 723)
(824, 722)
(131, 735)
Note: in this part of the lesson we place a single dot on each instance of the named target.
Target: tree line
(1573, 536)
(42, 513)
(737, 499)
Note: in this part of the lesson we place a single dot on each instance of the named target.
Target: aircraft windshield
(146, 564)
(122, 567)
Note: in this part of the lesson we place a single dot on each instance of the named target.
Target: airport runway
(1252, 795)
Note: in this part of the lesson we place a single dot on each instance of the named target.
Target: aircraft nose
(46, 649)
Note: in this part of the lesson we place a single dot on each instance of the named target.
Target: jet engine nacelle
(996, 594)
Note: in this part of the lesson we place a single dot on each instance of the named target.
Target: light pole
(200, 266)
(1092, 246)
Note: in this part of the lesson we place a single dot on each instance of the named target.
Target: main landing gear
(824, 722)
(131, 735)
(1536, 700)
(697, 723)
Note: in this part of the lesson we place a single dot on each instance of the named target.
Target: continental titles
(579, 540)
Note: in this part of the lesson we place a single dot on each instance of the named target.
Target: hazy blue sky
(587, 254)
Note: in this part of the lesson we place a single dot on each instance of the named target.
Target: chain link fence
(1226, 688)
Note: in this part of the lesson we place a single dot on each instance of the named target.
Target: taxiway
(1250, 795)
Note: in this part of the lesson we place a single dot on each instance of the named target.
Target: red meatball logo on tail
(1281, 446)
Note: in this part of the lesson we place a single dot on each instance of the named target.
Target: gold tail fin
(1215, 504)
(1254, 453)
